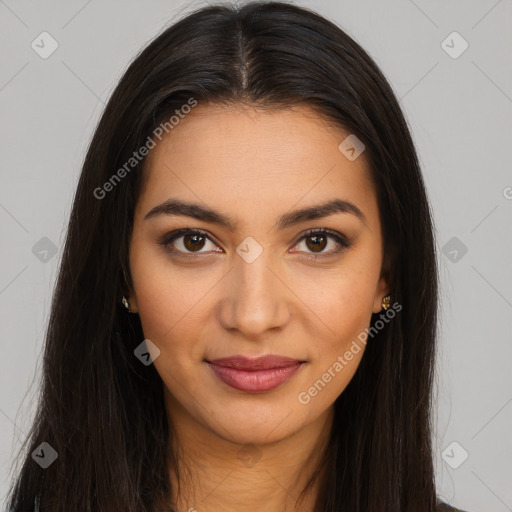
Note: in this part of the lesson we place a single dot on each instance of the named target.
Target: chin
(253, 424)
(249, 434)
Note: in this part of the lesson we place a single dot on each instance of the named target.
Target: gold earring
(385, 302)
(125, 303)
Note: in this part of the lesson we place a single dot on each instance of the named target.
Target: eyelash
(342, 241)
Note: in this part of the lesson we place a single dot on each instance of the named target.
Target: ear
(128, 291)
(381, 291)
(133, 304)
(132, 300)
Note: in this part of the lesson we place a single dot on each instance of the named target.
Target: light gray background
(459, 112)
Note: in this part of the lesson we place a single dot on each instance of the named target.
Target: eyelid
(174, 235)
(343, 241)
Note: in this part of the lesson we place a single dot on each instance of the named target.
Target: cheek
(174, 306)
(170, 310)
(342, 302)
(345, 309)
(164, 300)
(170, 319)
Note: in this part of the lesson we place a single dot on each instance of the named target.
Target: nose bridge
(256, 297)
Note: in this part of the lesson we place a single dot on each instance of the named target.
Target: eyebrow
(196, 211)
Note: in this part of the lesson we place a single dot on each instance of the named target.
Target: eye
(188, 241)
(192, 241)
(316, 240)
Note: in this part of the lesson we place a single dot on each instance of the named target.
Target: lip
(255, 375)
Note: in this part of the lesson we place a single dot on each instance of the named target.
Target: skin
(246, 451)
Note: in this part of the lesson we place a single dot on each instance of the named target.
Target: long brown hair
(99, 408)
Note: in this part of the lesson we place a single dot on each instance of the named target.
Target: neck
(218, 475)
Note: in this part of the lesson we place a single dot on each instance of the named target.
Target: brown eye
(188, 242)
(193, 242)
(316, 243)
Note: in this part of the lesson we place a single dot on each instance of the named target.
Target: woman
(245, 314)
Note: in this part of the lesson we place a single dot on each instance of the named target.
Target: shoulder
(444, 507)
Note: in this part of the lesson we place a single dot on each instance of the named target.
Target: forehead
(246, 160)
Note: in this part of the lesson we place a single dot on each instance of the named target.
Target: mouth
(256, 375)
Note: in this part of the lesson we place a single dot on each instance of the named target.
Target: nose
(257, 299)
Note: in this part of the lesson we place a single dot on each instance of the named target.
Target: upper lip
(257, 363)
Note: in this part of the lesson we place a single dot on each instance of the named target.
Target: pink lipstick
(254, 375)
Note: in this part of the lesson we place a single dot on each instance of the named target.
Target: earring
(385, 302)
(125, 303)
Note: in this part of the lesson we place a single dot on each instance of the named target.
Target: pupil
(194, 244)
(317, 244)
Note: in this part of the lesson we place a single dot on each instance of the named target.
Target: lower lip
(256, 381)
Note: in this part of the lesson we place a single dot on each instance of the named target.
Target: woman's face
(253, 282)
